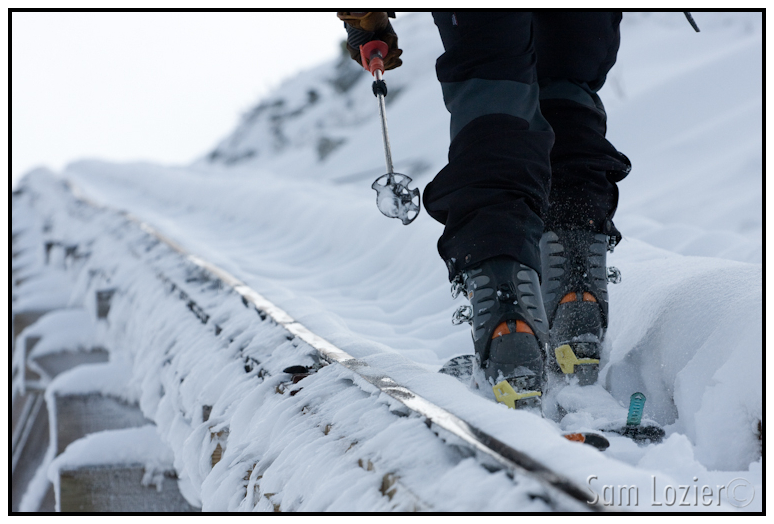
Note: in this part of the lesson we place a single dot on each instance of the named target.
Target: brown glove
(363, 27)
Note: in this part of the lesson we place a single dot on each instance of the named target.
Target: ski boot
(574, 288)
(509, 328)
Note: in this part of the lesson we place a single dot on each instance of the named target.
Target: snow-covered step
(54, 364)
(57, 341)
(127, 470)
(78, 415)
(91, 398)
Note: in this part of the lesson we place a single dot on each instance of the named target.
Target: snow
(119, 446)
(109, 378)
(387, 203)
(301, 228)
(62, 329)
(43, 292)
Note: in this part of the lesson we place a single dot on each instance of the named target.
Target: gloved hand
(363, 27)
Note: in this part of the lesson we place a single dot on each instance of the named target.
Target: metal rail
(32, 406)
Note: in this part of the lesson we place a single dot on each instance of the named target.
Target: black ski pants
(528, 148)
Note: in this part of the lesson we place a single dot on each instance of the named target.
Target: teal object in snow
(636, 405)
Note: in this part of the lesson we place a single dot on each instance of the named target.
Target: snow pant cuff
(493, 193)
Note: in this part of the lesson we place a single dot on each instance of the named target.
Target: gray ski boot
(575, 278)
(509, 328)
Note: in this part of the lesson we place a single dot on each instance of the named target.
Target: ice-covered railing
(206, 366)
(187, 341)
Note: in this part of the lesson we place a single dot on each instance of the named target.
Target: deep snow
(285, 205)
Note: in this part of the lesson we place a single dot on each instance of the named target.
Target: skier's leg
(575, 52)
(492, 194)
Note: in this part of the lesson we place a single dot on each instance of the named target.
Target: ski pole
(375, 50)
(393, 197)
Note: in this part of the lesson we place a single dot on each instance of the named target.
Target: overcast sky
(163, 87)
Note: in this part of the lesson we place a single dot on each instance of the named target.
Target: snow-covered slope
(285, 205)
(685, 107)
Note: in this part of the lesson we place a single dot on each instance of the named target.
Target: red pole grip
(372, 55)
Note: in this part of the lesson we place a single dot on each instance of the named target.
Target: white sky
(164, 87)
